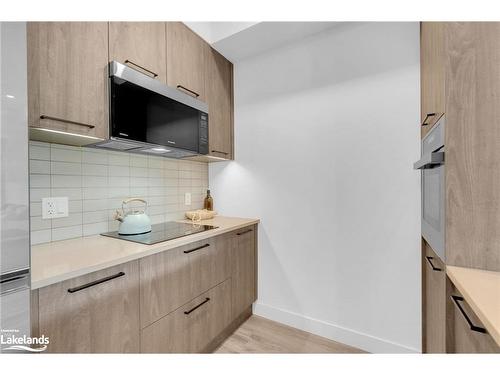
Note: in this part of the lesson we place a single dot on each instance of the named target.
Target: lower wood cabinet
(172, 278)
(192, 327)
(465, 332)
(244, 269)
(94, 313)
(434, 302)
(182, 300)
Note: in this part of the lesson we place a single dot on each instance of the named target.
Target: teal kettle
(133, 221)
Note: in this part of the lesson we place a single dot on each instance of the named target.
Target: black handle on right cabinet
(221, 152)
(244, 232)
(197, 306)
(457, 300)
(424, 123)
(196, 248)
(434, 268)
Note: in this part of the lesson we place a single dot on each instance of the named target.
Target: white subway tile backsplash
(39, 166)
(94, 204)
(95, 228)
(61, 167)
(40, 181)
(71, 193)
(63, 181)
(64, 233)
(40, 236)
(73, 155)
(97, 181)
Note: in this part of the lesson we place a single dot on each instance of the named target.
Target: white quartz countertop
(62, 260)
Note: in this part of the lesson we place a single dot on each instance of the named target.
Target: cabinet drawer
(172, 278)
(190, 328)
(94, 313)
(466, 334)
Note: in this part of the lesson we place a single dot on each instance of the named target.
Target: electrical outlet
(187, 199)
(54, 207)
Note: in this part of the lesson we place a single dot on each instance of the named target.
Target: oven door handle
(430, 160)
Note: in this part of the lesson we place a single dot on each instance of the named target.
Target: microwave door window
(171, 123)
(432, 191)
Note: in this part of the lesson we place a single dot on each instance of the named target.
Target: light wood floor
(259, 335)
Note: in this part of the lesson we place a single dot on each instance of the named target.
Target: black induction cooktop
(162, 232)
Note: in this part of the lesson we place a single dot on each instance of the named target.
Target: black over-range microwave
(147, 116)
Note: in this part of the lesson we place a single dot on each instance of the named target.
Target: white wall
(326, 131)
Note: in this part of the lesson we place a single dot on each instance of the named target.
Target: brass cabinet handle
(424, 123)
(434, 268)
(44, 117)
(197, 306)
(244, 232)
(456, 300)
(193, 93)
(196, 248)
(93, 283)
(141, 67)
(221, 152)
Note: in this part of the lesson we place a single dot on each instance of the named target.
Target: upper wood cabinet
(432, 73)
(186, 59)
(141, 46)
(472, 143)
(94, 313)
(67, 77)
(219, 87)
(244, 278)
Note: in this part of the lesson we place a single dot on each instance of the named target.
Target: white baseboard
(330, 331)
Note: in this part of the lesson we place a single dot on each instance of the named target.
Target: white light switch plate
(187, 199)
(54, 207)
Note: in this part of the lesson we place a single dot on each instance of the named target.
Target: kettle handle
(127, 201)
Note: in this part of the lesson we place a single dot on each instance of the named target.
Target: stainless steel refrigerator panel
(14, 197)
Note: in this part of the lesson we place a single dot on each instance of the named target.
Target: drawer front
(466, 333)
(190, 328)
(172, 278)
(95, 313)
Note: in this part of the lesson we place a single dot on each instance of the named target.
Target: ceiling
(242, 40)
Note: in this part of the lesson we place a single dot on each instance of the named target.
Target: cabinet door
(220, 105)
(244, 269)
(466, 334)
(434, 302)
(432, 73)
(472, 140)
(192, 327)
(141, 46)
(67, 70)
(186, 59)
(171, 278)
(95, 313)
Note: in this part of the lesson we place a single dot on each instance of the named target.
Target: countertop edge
(115, 262)
(492, 330)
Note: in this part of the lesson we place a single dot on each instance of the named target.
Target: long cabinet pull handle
(141, 67)
(425, 123)
(194, 93)
(244, 232)
(44, 117)
(434, 268)
(457, 300)
(93, 283)
(197, 306)
(196, 248)
(221, 152)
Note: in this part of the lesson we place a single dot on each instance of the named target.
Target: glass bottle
(208, 204)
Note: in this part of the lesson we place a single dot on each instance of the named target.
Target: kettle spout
(118, 216)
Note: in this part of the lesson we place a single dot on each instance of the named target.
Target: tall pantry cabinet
(460, 78)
